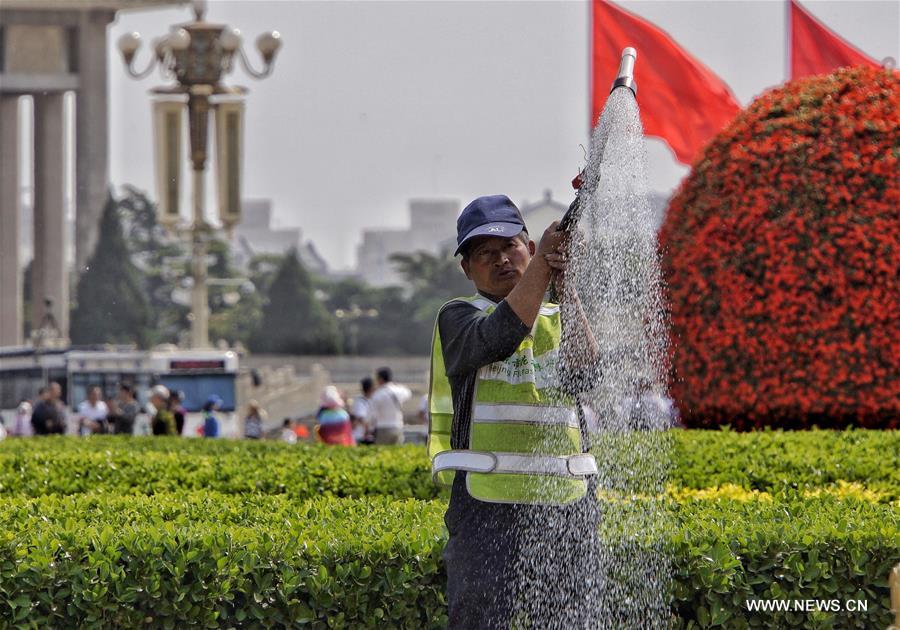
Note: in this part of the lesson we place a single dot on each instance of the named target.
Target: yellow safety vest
(525, 439)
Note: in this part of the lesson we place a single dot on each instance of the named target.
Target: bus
(196, 374)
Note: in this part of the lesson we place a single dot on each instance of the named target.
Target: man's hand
(571, 244)
(551, 240)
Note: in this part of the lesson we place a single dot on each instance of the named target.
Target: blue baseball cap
(214, 400)
(493, 215)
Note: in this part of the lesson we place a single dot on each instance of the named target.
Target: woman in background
(253, 421)
(332, 420)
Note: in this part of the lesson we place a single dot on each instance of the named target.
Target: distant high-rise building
(254, 236)
(431, 221)
(433, 229)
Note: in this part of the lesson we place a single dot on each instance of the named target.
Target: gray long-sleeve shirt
(470, 339)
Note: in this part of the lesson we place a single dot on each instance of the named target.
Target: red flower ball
(781, 253)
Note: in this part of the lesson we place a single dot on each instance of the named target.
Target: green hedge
(223, 560)
(151, 465)
(825, 548)
(770, 461)
(220, 560)
(165, 532)
(776, 460)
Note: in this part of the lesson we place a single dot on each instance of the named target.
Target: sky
(372, 104)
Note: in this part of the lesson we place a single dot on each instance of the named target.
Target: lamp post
(197, 55)
(351, 316)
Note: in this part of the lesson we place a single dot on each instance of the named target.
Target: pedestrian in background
(126, 410)
(649, 408)
(49, 414)
(361, 412)
(387, 408)
(163, 422)
(22, 426)
(332, 420)
(210, 421)
(92, 413)
(253, 421)
(176, 406)
(287, 432)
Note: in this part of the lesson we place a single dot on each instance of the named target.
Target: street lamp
(197, 55)
(351, 316)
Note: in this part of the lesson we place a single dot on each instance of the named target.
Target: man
(503, 432)
(361, 411)
(49, 413)
(92, 413)
(387, 408)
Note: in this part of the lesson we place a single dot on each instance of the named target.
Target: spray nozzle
(625, 76)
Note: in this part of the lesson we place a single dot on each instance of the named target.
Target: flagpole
(787, 41)
(590, 67)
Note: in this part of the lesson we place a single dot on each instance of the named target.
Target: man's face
(94, 395)
(55, 391)
(496, 264)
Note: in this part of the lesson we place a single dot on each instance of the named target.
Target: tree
(376, 320)
(432, 280)
(238, 320)
(153, 253)
(111, 306)
(294, 321)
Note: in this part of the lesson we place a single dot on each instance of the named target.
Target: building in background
(430, 221)
(53, 77)
(255, 236)
(540, 214)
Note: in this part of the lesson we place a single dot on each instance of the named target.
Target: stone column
(10, 261)
(50, 276)
(91, 133)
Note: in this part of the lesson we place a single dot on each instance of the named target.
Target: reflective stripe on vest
(529, 414)
(486, 462)
(524, 440)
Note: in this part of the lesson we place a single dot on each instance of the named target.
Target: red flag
(816, 49)
(681, 100)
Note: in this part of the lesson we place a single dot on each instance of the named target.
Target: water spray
(602, 562)
(624, 79)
